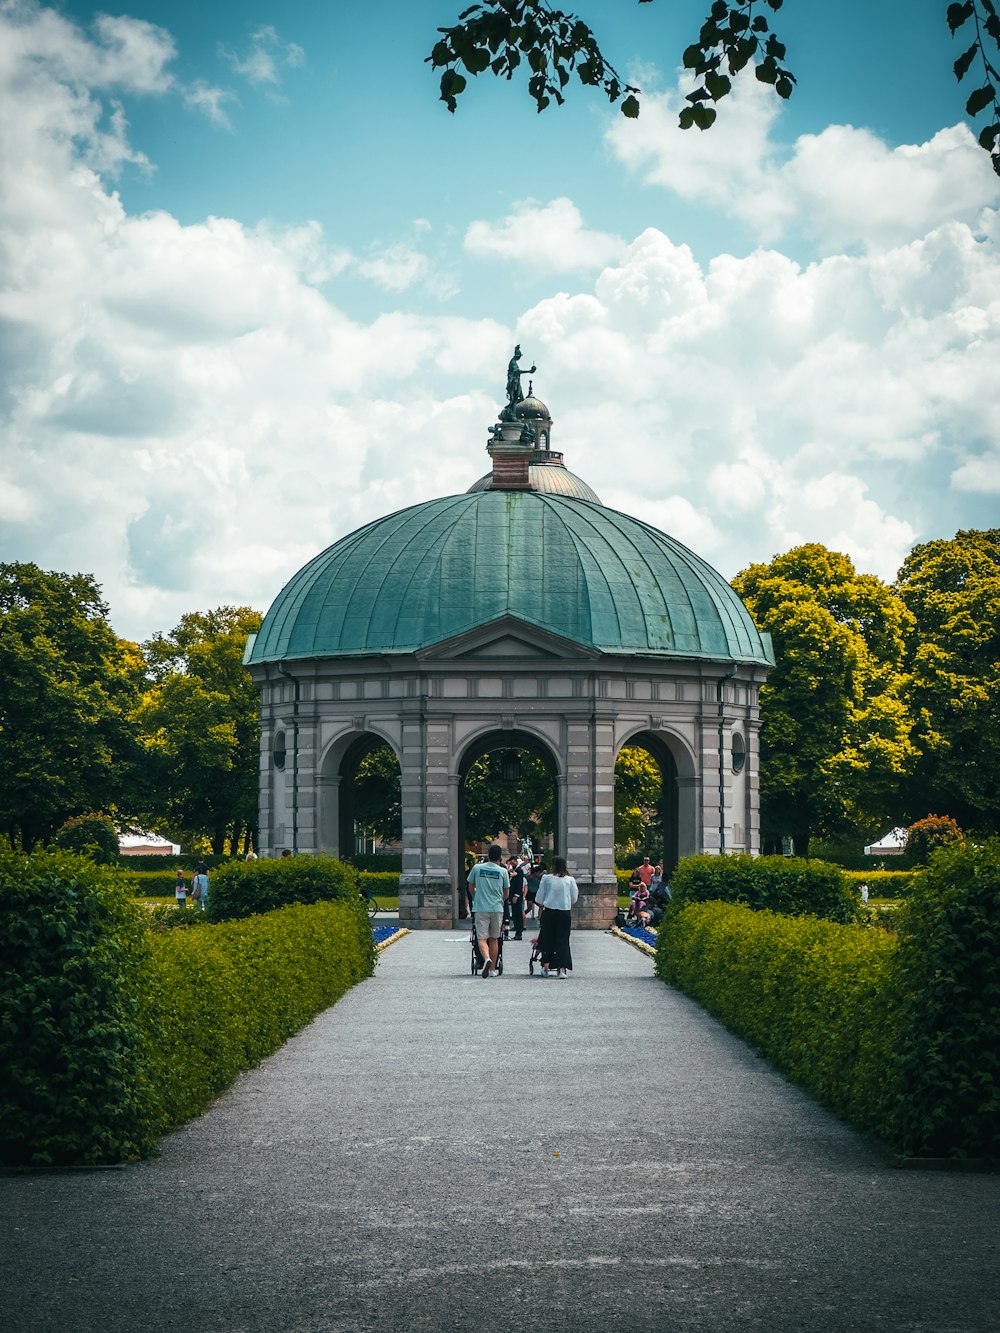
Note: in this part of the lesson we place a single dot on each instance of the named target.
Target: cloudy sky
(258, 287)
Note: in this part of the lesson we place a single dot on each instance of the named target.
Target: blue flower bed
(383, 932)
(640, 933)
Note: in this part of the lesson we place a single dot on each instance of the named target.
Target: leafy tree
(67, 687)
(501, 36)
(926, 835)
(638, 793)
(494, 802)
(835, 730)
(91, 835)
(200, 722)
(952, 590)
(377, 800)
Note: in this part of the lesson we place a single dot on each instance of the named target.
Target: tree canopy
(199, 722)
(67, 687)
(952, 591)
(552, 44)
(835, 730)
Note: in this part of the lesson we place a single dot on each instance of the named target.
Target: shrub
(379, 863)
(90, 835)
(226, 996)
(72, 946)
(881, 883)
(789, 885)
(949, 993)
(926, 835)
(242, 888)
(378, 885)
(807, 993)
(153, 883)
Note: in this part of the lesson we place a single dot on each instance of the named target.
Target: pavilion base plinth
(596, 907)
(425, 907)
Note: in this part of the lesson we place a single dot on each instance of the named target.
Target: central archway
(504, 746)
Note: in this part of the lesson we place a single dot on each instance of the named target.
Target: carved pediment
(508, 639)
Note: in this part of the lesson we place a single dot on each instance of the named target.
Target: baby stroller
(477, 957)
(534, 957)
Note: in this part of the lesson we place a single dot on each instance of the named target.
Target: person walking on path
(489, 883)
(199, 885)
(180, 889)
(556, 895)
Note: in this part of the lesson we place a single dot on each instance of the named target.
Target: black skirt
(553, 939)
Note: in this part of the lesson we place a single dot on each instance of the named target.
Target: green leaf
(686, 118)
(692, 57)
(630, 107)
(783, 87)
(704, 116)
(718, 85)
(767, 71)
(988, 136)
(981, 98)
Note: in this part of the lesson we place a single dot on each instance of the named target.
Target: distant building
(521, 614)
(146, 844)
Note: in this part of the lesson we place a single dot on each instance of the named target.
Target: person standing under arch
(556, 895)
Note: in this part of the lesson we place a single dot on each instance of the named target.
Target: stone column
(590, 818)
(425, 888)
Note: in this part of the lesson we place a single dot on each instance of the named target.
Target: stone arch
(678, 808)
(484, 741)
(336, 771)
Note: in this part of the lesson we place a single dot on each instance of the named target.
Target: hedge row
(901, 1036)
(243, 888)
(882, 883)
(805, 992)
(791, 885)
(224, 997)
(379, 884)
(110, 1035)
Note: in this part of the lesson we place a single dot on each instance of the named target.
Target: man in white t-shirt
(489, 883)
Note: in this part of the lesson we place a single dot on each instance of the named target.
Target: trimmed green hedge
(949, 995)
(224, 997)
(379, 885)
(901, 1035)
(243, 888)
(882, 883)
(790, 885)
(72, 945)
(111, 1034)
(805, 992)
(153, 883)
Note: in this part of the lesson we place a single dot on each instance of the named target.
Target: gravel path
(443, 1152)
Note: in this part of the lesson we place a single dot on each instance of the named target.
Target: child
(181, 889)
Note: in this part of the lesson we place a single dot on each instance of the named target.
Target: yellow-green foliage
(155, 883)
(805, 992)
(222, 998)
(379, 884)
(881, 883)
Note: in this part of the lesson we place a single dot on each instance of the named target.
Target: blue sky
(260, 287)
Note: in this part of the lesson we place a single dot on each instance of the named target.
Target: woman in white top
(556, 895)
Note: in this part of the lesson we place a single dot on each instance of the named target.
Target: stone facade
(510, 682)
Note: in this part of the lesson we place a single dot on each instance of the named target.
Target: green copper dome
(590, 574)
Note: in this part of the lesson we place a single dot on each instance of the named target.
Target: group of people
(198, 890)
(524, 888)
(649, 894)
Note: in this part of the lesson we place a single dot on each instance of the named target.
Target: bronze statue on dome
(514, 373)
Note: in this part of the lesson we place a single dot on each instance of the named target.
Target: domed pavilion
(522, 614)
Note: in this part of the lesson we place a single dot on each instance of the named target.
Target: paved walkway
(445, 1153)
